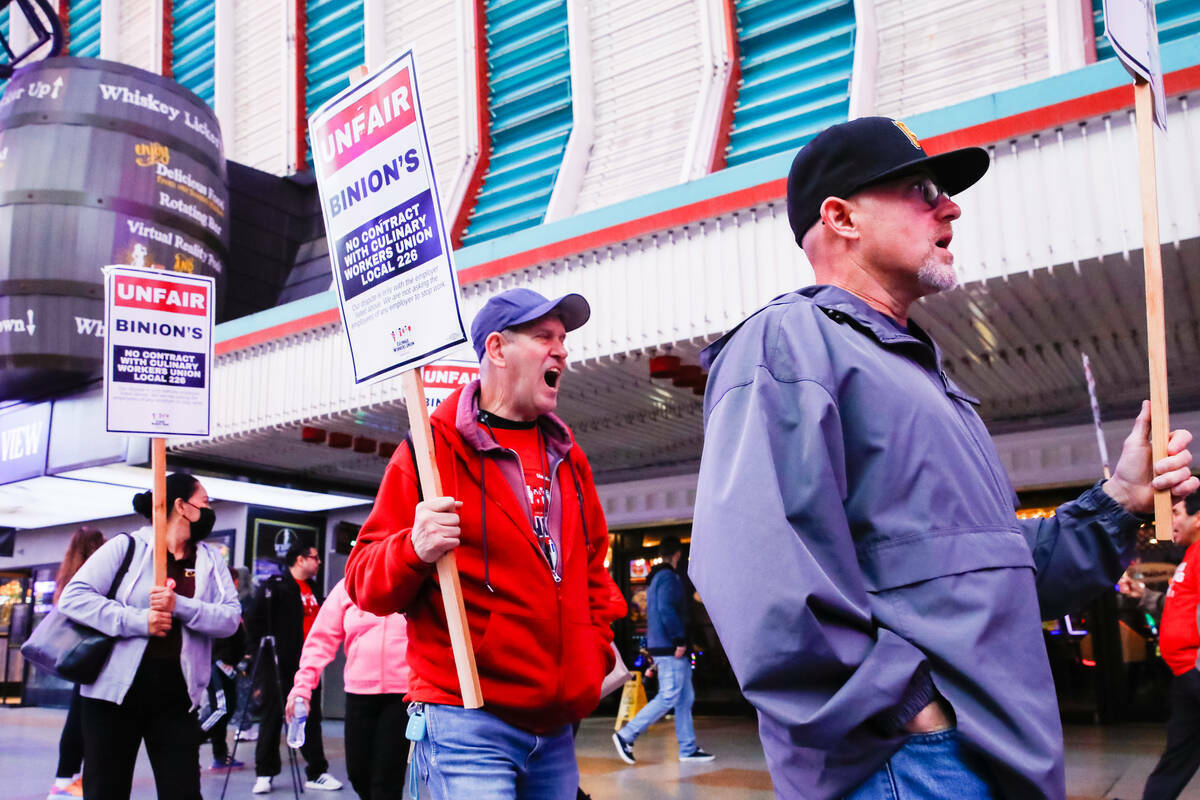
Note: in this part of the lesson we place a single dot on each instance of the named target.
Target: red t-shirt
(527, 444)
(1178, 637)
(311, 606)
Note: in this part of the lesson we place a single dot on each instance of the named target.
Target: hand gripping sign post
(157, 356)
(392, 266)
(1133, 31)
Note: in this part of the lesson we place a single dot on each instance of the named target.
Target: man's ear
(493, 348)
(836, 215)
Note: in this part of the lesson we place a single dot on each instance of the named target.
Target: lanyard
(541, 524)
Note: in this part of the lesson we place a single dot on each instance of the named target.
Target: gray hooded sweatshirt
(856, 545)
(212, 613)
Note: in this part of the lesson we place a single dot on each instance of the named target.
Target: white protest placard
(445, 375)
(388, 244)
(1132, 27)
(158, 351)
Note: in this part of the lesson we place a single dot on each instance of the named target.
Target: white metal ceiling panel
(934, 53)
(136, 45)
(431, 27)
(648, 59)
(260, 136)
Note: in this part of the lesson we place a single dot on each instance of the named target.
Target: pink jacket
(376, 649)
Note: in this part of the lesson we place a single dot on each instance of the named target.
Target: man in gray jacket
(855, 538)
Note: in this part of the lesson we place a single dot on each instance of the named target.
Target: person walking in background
(1179, 641)
(158, 671)
(666, 639)
(285, 607)
(227, 653)
(245, 718)
(68, 781)
(375, 678)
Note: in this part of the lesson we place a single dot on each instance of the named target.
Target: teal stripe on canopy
(193, 45)
(4, 30)
(529, 97)
(84, 28)
(334, 30)
(796, 58)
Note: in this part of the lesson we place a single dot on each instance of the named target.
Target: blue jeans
(930, 766)
(674, 691)
(471, 754)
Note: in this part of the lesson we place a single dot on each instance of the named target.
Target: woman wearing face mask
(160, 665)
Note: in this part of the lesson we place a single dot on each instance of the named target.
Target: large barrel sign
(100, 163)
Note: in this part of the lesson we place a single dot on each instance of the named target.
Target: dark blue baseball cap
(519, 306)
(850, 156)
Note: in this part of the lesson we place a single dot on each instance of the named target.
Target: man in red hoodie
(1179, 640)
(530, 538)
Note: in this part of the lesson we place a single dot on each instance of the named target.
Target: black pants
(376, 748)
(70, 744)
(217, 732)
(266, 753)
(156, 709)
(1182, 756)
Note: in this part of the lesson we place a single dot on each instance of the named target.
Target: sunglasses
(929, 190)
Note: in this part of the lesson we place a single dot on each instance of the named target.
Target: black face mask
(201, 528)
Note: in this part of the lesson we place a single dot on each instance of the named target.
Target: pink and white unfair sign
(442, 377)
(158, 351)
(388, 244)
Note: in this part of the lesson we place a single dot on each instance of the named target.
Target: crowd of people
(854, 541)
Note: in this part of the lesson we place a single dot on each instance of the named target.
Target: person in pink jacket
(376, 678)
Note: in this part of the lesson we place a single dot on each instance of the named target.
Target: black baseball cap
(518, 306)
(845, 158)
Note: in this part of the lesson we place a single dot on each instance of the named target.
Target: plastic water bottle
(295, 731)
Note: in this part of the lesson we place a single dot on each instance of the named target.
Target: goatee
(936, 275)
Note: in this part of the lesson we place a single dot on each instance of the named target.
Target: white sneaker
(324, 781)
(262, 784)
(249, 734)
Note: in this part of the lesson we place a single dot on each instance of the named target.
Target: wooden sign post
(158, 465)
(447, 566)
(1132, 28)
(1156, 336)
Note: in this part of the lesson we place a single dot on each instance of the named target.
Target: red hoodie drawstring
(587, 540)
(487, 582)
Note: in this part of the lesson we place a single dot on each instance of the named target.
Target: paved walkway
(1102, 763)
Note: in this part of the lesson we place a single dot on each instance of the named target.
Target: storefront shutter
(84, 28)
(1176, 19)
(529, 96)
(193, 45)
(796, 58)
(334, 31)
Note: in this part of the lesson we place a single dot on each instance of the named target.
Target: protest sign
(392, 266)
(442, 377)
(388, 243)
(158, 352)
(1132, 27)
